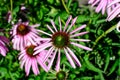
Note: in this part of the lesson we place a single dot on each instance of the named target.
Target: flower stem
(105, 33)
(11, 6)
(63, 3)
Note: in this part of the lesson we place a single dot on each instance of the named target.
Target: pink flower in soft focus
(113, 10)
(23, 33)
(3, 48)
(101, 5)
(28, 60)
(9, 16)
(61, 40)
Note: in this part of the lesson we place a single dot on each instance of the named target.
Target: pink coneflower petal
(42, 45)
(44, 33)
(44, 39)
(30, 39)
(2, 51)
(4, 39)
(36, 25)
(73, 22)
(41, 64)
(77, 29)
(23, 61)
(69, 58)
(74, 57)
(101, 6)
(52, 59)
(53, 24)
(95, 2)
(50, 28)
(68, 21)
(57, 68)
(114, 13)
(28, 66)
(60, 24)
(21, 55)
(49, 44)
(113, 2)
(18, 44)
(21, 44)
(81, 46)
(79, 34)
(35, 67)
(81, 40)
(48, 54)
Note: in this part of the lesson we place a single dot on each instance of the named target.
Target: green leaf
(3, 72)
(112, 69)
(107, 61)
(90, 66)
(82, 18)
(86, 78)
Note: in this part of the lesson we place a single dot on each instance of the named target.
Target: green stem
(63, 3)
(105, 33)
(11, 6)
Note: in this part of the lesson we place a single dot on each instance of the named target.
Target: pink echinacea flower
(23, 33)
(3, 48)
(61, 40)
(28, 60)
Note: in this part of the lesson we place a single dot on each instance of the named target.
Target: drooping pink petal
(41, 49)
(35, 67)
(28, 67)
(57, 68)
(48, 53)
(74, 57)
(2, 51)
(42, 64)
(69, 58)
(81, 46)
(52, 59)
(42, 45)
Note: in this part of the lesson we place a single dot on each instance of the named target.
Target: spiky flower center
(22, 29)
(61, 75)
(60, 39)
(30, 50)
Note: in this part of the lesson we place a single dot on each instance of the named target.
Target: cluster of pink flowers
(36, 51)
